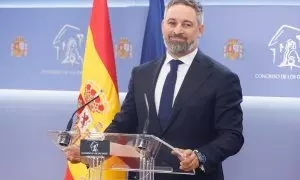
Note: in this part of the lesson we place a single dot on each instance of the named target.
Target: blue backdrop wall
(260, 43)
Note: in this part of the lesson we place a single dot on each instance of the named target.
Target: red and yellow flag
(98, 78)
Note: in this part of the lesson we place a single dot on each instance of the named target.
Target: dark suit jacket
(206, 114)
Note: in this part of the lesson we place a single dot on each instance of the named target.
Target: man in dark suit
(194, 102)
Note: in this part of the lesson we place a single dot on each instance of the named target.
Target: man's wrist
(202, 159)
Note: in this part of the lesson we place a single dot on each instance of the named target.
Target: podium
(141, 153)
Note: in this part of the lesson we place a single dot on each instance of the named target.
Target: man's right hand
(72, 153)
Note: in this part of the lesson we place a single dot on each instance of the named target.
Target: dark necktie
(167, 95)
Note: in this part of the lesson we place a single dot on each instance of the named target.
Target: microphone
(145, 129)
(64, 138)
(142, 142)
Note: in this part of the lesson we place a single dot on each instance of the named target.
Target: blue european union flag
(153, 44)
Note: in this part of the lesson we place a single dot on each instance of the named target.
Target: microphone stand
(142, 141)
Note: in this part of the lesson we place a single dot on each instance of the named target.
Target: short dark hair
(191, 3)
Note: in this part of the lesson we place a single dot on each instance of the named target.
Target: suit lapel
(154, 122)
(196, 76)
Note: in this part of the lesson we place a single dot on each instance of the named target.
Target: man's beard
(179, 47)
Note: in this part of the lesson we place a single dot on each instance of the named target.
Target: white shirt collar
(187, 59)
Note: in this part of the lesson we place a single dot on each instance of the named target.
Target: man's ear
(162, 25)
(201, 30)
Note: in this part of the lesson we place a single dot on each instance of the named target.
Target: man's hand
(188, 159)
(72, 153)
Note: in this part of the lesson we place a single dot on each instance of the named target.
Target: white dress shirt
(181, 72)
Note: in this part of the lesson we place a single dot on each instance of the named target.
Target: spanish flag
(98, 79)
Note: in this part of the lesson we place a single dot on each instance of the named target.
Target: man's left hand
(188, 159)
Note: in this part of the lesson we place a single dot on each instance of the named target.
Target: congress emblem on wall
(285, 46)
(69, 45)
(233, 49)
(123, 49)
(19, 47)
